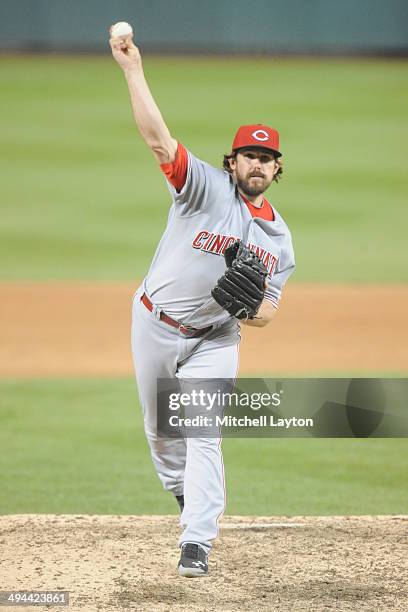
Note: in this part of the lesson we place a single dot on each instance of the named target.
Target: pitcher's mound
(258, 563)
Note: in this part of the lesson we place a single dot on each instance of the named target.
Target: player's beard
(250, 187)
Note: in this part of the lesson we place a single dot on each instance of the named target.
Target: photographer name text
(234, 421)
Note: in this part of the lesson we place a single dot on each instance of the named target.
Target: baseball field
(311, 524)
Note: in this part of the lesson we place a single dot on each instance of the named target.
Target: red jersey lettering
(197, 242)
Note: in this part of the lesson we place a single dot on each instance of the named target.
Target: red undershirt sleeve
(176, 172)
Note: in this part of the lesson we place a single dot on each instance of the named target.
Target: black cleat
(180, 501)
(193, 561)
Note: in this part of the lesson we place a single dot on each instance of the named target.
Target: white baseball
(121, 29)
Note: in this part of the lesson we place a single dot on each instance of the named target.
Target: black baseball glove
(241, 289)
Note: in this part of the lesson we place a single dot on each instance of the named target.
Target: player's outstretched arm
(147, 115)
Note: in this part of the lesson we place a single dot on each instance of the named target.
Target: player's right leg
(155, 348)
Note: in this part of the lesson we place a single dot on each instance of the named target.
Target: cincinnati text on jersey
(217, 243)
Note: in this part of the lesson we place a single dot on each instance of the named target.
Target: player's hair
(227, 167)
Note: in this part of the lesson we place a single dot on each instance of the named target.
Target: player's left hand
(241, 289)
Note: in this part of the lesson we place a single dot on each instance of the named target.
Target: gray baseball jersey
(207, 216)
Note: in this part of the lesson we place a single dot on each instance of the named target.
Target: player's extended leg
(204, 487)
(155, 348)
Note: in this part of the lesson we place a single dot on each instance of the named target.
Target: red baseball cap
(257, 135)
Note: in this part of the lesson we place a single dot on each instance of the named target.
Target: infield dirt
(83, 329)
(258, 563)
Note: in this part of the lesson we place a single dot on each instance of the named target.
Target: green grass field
(82, 198)
(78, 446)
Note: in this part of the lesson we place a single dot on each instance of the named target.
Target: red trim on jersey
(265, 211)
(176, 172)
(272, 301)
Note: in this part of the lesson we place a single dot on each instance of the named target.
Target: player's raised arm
(149, 120)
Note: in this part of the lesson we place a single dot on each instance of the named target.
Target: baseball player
(223, 260)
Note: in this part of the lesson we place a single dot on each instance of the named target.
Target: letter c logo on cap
(260, 135)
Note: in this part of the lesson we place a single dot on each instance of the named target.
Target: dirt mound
(123, 563)
(82, 329)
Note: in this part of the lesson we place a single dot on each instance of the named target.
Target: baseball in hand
(121, 29)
